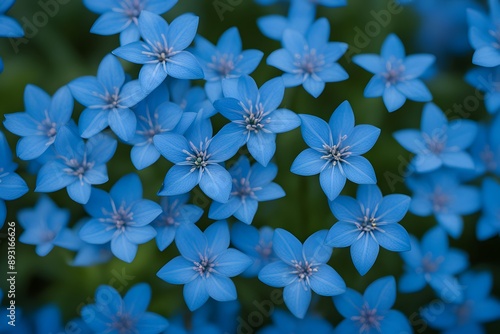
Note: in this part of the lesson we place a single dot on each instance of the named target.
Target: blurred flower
(489, 224)
(484, 35)
(8, 26)
(487, 80)
(485, 150)
(284, 322)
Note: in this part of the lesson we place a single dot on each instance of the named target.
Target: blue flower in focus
(396, 75)
(251, 185)
(255, 119)
(441, 194)
(309, 60)
(335, 150)
(257, 244)
(112, 314)
(224, 61)
(77, 166)
(484, 35)
(489, 224)
(163, 53)
(122, 16)
(205, 264)
(432, 262)
(468, 315)
(8, 26)
(283, 322)
(487, 80)
(371, 312)
(45, 226)
(122, 217)
(107, 99)
(39, 124)
(176, 212)
(368, 222)
(300, 269)
(439, 143)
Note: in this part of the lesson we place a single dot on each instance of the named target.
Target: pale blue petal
(140, 235)
(315, 131)
(332, 182)
(221, 288)
(342, 234)
(232, 262)
(216, 183)
(123, 249)
(178, 271)
(308, 162)
(297, 298)
(362, 138)
(286, 246)
(277, 274)
(327, 282)
(195, 293)
(364, 253)
(184, 66)
(179, 180)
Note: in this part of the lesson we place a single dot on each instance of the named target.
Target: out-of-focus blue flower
(122, 16)
(251, 185)
(39, 124)
(192, 99)
(90, 254)
(396, 75)
(176, 212)
(45, 226)
(439, 142)
(468, 315)
(309, 60)
(432, 262)
(487, 80)
(371, 312)
(112, 314)
(224, 61)
(255, 119)
(441, 194)
(300, 269)
(284, 322)
(489, 223)
(8, 26)
(484, 35)
(48, 319)
(163, 53)
(122, 217)
(107, 99)
(77, 166)
(257, 244)
(335, 150)
(368, 222)
(205, 264)
(485, 150)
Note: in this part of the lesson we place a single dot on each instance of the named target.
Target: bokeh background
(64, 49)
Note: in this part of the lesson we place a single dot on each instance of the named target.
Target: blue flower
(485, 150)
(439, 142)
(466, 316)
(309, 60)
(77, 166)
(121, 16)
(284, 322)
(8, 26)
(48, 319)
(224, 61)
(107, 99)
(368, 222)
(484, 35)
(432, 262)
(197, 159)
(257, 244)
(90, 254)
(371, 312)
(45, 226)
(112, 314)
(335, 150)
(255, 119)
(396, 75)
(192, 99)
(122, 217)
(487, 80)
(250, 186)
(441, 194)
(300, 269)
(39, 125)
(489, 223)
(163, 53)
(176, 212)
(205, 264)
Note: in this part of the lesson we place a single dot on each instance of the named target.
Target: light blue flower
(484, 35)
(487, 80)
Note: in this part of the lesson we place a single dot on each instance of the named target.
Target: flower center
(431, 265)
(309, 63)
(496, 35)
(440, 200)
(394, 70)
(265, 249)
(78, 168)
(48, 128)
(223, 65)
(254, 118)
(120, 217)
(198, 158)
(204, 267)
(159, 51)
(337, 153)
(124, 324)
(488, 157)
(303, 270)
(132, 9)
(242, 188)
(149, 126)
(437, 143)
(368, 319)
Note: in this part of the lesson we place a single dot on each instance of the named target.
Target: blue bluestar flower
(39, 124)
(163, 51)
(45, 226)
(371, 312)
(192, 99)
(77, 166)
(122, 217)
(176, 212)
(468, 315)
(489, 223)
(197, 159)
(107, 99)
(257, 244)
(284, 322)
(439, 143)
(112, 314)
(484, 35)
(12, 186)
(8, 26)
(432, 262)
(255, 119)
(396, 75)
(335, 150)
(487, 80)
(300, 269)
(224, 61)
(205, 264)
(485, 150)
(310, 59)
(251, 185)
(90, 254)
(367, 222)
(441, 194)
(122, 16)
